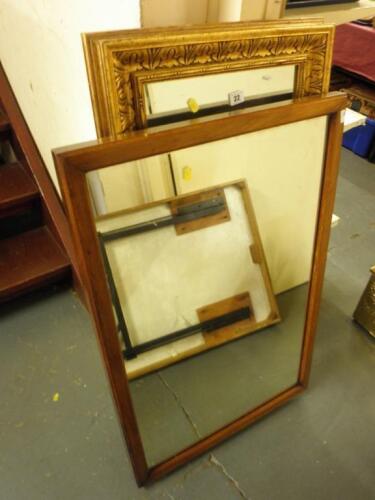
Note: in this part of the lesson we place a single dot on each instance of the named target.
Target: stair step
(16, 186)
(30, 260)
(16, 221)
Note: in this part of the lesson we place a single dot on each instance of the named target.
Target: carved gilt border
(120, 63)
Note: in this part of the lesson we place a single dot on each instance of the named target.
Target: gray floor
(177, 406)
(319, 446)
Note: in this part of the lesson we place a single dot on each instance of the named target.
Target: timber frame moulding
(75, 162)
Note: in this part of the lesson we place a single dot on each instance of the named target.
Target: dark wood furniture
(35, 242)
(353, 66)
(73, 163)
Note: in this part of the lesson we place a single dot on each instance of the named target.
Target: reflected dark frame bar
(210, 110)
(296, 4)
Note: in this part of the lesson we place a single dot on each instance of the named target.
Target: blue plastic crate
(360, 139)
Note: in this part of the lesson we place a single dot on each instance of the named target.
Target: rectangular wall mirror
(205, 300)
(170, 101)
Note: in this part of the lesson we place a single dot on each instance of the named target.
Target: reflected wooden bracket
(238, 328)
(179, 205)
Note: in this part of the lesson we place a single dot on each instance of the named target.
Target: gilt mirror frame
(121, 63)
(73, 163)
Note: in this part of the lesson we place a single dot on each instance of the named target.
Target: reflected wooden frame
(256, 256)
(121, 63)
(75, 162)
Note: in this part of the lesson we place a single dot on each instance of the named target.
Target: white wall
(156, 13)
(159, 12)
(41, 51)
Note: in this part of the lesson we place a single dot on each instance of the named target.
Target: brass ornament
(120, 63)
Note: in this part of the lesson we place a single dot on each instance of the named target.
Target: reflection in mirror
(142, 181)
(175, 100)
(209, 286)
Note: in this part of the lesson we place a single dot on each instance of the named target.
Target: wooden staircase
(34, 236)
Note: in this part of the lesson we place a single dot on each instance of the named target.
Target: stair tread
(16, 186)
(28, 260)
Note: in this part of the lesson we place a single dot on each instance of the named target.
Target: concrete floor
(319, 446)
(184, 402)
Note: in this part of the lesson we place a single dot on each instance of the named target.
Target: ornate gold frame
(120, 63)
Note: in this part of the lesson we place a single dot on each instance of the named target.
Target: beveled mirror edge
(119, 61)
(72, 166)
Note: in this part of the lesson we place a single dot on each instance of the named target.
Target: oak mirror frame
(121, 64)
(73, 163)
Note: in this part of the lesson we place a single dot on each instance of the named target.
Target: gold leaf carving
(126, 62)
(125, 66)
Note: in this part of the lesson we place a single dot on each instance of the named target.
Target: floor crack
(212, 459)
(185, 411)
(231, 479)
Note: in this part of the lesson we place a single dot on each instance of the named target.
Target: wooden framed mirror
(143, 77)
(222, 390)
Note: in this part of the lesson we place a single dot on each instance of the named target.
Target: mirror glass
(208, 254)
(174, 100)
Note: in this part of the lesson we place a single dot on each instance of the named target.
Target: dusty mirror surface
(218, 235)
(176, 99)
